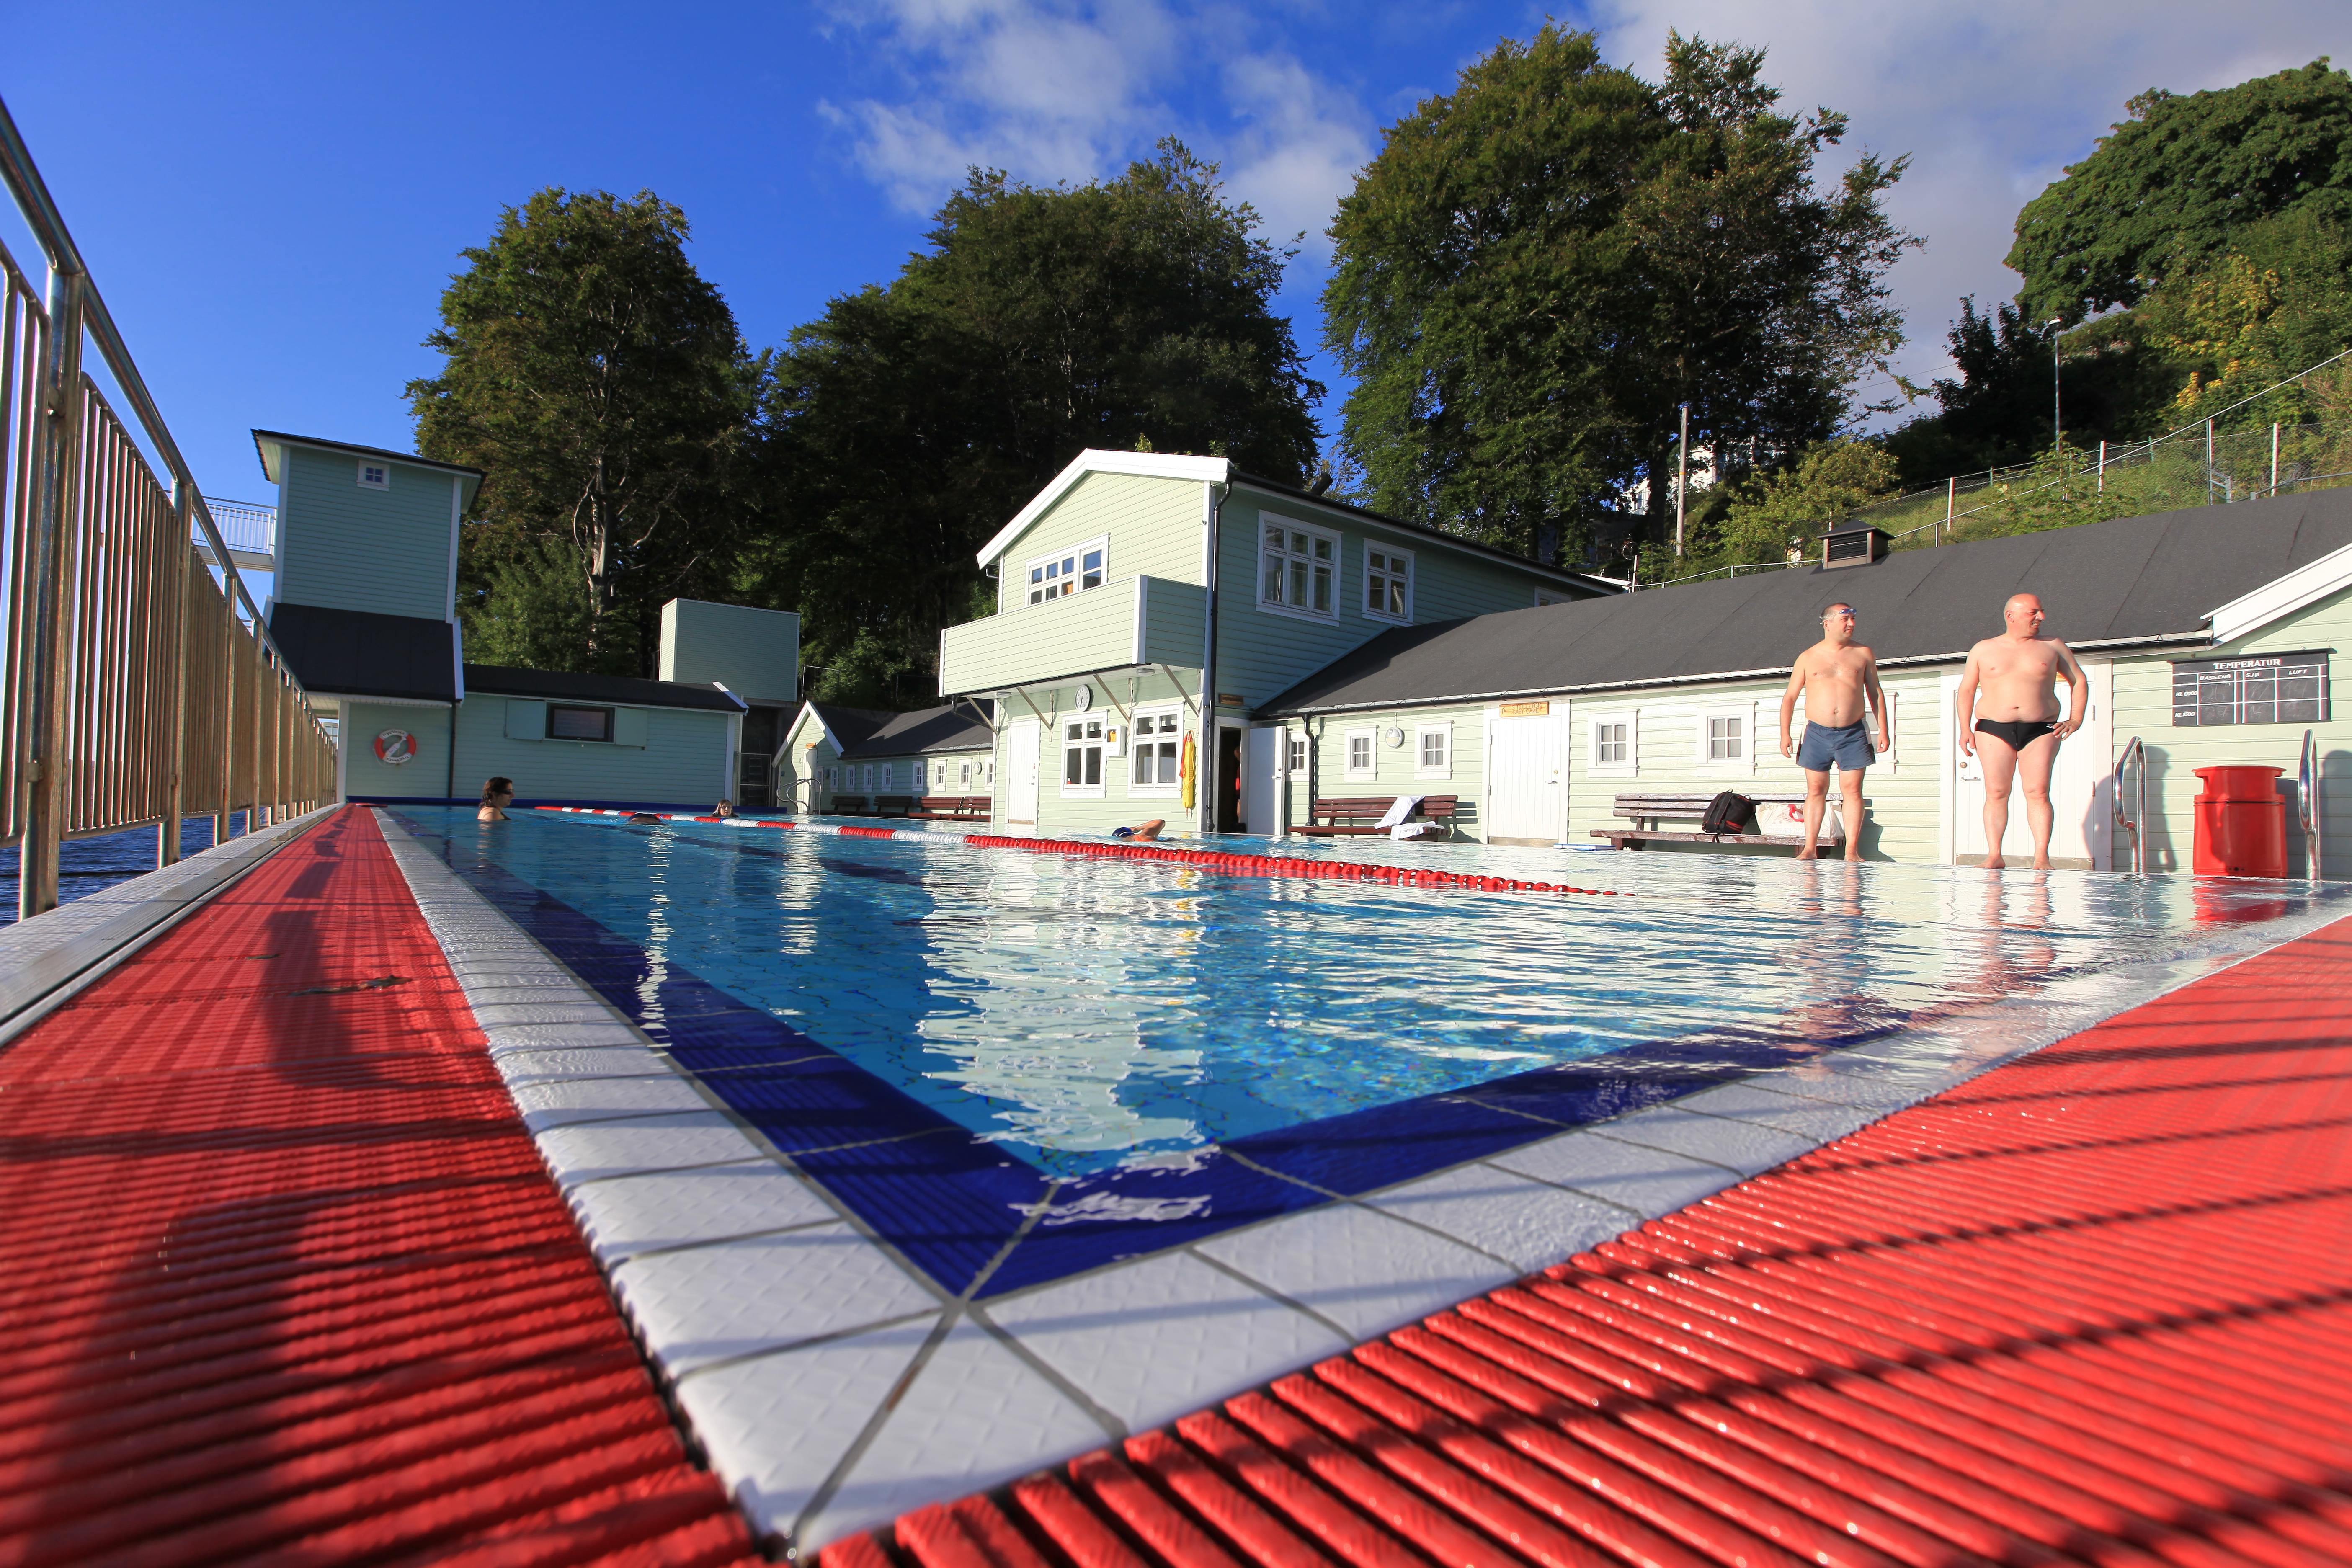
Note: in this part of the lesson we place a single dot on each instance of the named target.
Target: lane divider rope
(1246, 865)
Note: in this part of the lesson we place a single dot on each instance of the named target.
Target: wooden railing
(141, 684)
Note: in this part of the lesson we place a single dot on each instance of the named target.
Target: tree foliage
(1768, 516)
(2169, 189)
(600, 382)
(913, 420)
(1539, 267)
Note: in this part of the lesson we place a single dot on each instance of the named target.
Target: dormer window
(1073, 571)
(375, 476)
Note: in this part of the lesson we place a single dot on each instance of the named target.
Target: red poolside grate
(283, 1277)
(2093, 1307)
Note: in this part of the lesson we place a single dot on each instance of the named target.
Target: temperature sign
(2276, 689)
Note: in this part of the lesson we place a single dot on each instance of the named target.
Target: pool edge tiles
(830, 1399)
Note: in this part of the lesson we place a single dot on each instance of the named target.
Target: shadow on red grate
(283, 1277)
(2093, 1307)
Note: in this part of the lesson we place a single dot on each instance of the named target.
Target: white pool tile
(685, 1208)
(1650, 1181)
(594, 1035)
(1747, 1147)
(1854, 1078)
(976, 1416)
(600, 1150)
(733, 1297)
(519, 1068)
(559, 1102)
(1152, 1340)
(1362, 1271)
(774, 1426)
(1816, 1121)
(572, 1012)
(1531, 1222)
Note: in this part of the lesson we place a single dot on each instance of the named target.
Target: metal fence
(139, 689)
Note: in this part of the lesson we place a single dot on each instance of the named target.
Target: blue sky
(271, 197)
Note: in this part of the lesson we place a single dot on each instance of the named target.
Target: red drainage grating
(283, 1277)
(2093, 1307)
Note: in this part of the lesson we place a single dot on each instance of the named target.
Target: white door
(1021, 738)
(1264, 750)
(1526, 778)
(2081, 797)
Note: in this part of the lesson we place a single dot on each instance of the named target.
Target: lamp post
(1682, 478)
(2057, 427)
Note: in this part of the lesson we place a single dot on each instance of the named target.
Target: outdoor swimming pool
(1100, 1058)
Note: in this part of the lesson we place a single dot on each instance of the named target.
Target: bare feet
(2042, 863)
(1854, 853)
(1808, 853)
(1995, 863)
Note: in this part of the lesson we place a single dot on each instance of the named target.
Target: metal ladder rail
(2310, 769)
(2136, 820)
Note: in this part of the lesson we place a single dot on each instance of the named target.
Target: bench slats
(1353, 816)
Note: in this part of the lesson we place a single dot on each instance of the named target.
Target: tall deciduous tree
(1539, 270)
(600, 383)
(913, 420)
(2167, 189)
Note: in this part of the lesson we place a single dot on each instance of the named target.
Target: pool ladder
(2137, 818)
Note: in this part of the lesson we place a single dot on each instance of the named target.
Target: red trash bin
(2240, 823)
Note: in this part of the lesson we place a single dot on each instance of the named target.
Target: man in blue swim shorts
(1839, 680)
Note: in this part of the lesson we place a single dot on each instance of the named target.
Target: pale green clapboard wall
(1396, 769)
(686, 760)
(427, 777)
(1153, 524)
(2143, 707)
(1086, 632)
(1120, 803)
(1262, 653)
(347, 547)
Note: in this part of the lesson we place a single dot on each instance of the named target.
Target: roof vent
(1855, 547)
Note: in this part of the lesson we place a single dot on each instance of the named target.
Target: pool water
(1097, 1023)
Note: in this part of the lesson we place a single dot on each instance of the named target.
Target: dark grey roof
(1584, 582)
(358, 653)
(2134, 579)
(955, 727)
(560, 685)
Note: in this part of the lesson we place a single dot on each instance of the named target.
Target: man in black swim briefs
(2009, 716)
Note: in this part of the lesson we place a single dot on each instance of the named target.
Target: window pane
(1274, 535)
(1072, 761)
(1036, 573)
(1272, 580)
(579, 723)
(1077, 732)
(1373, 594)
(1396, 596)
(1094, 764)
(1322, 550)
(1298, 584)
(1298, 543)
(1323, 589)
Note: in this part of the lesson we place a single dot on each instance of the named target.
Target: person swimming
(1142, 830)
(497, 796)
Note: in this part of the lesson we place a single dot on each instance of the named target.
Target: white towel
(1412, 829)
(1399, 808)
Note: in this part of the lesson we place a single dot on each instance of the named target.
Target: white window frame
(381, 473)
(1139, 739)
(1062, 747)
(1706, 716)
(1296, 752)
(1364, 600)
(1034, 580)
(1422, 766)
(1372, 739)
(1264, 552)
(1629, 768)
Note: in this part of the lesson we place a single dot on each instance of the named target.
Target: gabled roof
(269, 444)
(562, 686)
(358, 653)
(2137, 579)
(962, 726)
(1220, 470)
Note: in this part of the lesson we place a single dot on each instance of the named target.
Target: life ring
(396, 748)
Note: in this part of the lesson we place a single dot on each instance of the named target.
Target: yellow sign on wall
(1525, 710)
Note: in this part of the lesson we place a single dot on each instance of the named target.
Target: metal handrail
(2310, 778)
(2133, 823)
(136, 691)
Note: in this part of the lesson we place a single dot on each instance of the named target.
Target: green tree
(2275, 300)
(1770, 515)
(913, 419)
(2170, 186)
(600, 383)
(1538, 269)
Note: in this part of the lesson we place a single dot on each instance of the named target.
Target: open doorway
(1229, 779)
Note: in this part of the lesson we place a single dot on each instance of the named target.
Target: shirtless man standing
(1838, 676)
(2008, 709)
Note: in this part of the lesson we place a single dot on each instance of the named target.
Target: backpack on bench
(1730, 812)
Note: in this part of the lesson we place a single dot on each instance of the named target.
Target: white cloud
(1991, 100)
(1068, 89)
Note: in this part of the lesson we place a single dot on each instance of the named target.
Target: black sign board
(2273, 688)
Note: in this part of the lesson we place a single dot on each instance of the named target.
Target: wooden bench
(1353, 818)
(954, 809)
(847, 805)
(1644, 809)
